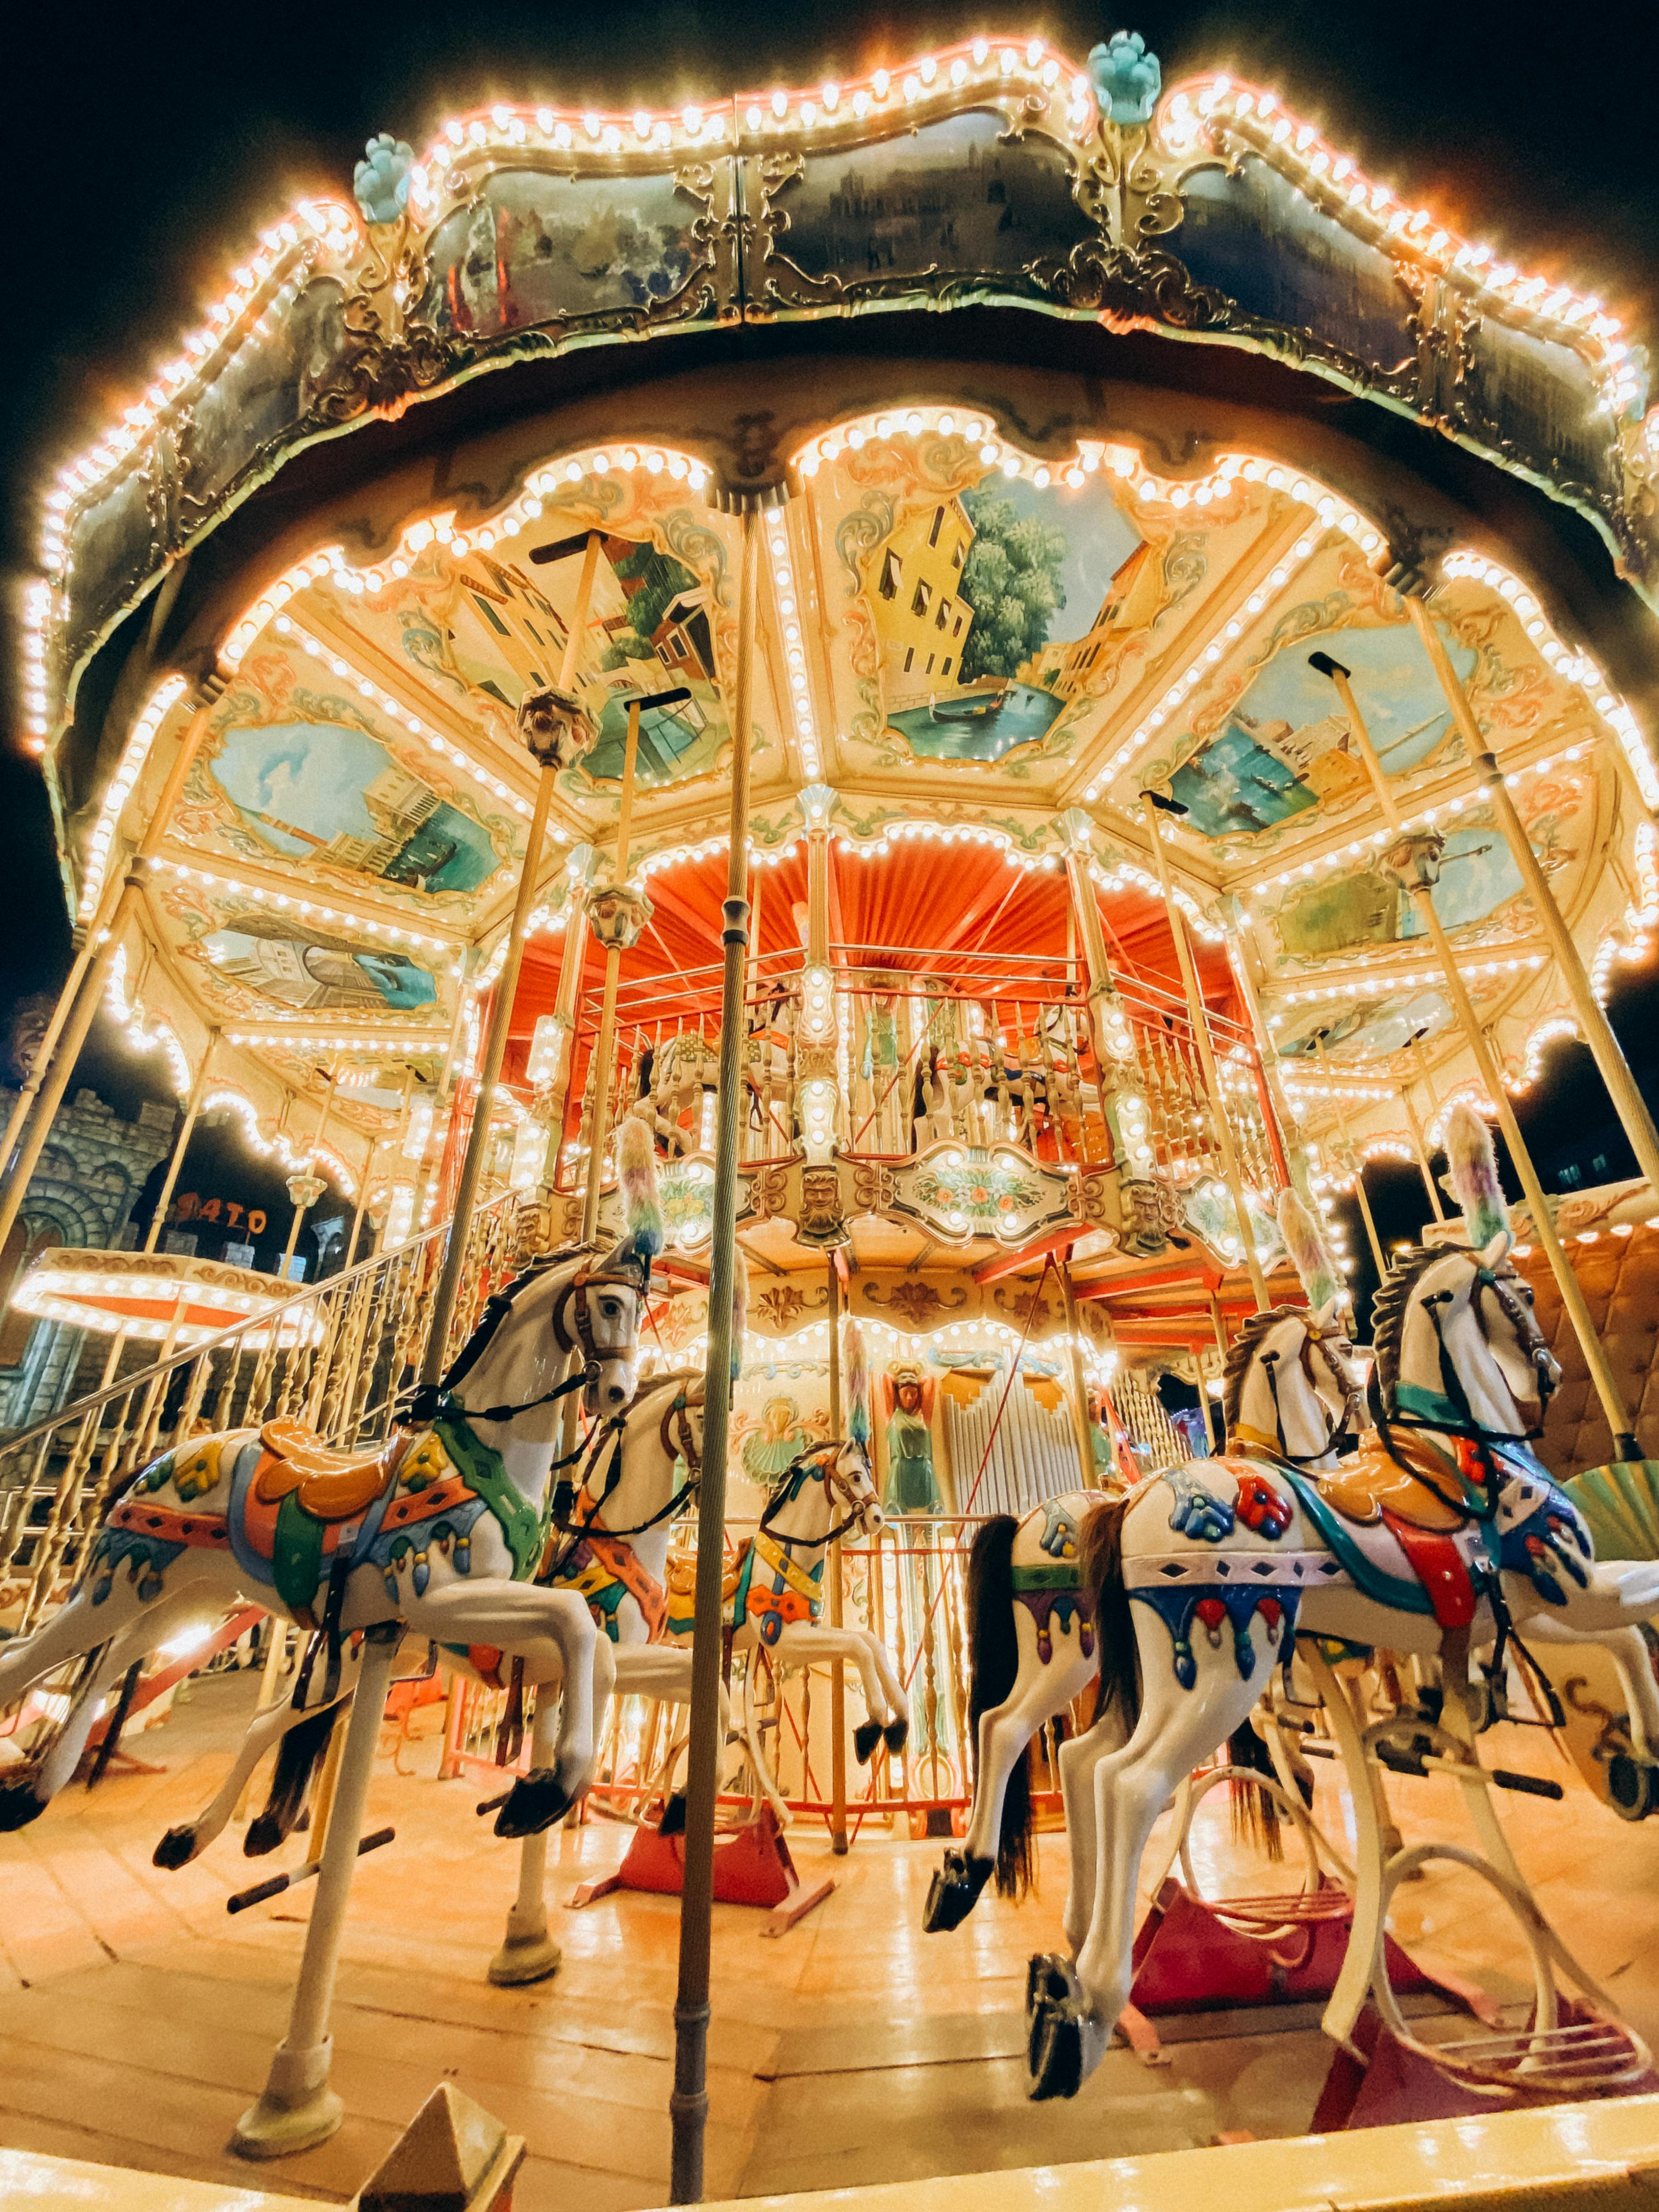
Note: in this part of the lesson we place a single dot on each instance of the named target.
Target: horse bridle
(1530, 1339)
(1351, 1421)
(427, 1400)
(826, 1461)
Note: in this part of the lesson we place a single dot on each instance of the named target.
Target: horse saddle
(1414, 1485)
(331, 1486)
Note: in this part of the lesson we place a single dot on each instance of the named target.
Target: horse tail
(1100, 1557)
(296, 1761)
(993, 1660)
(1255, 1812)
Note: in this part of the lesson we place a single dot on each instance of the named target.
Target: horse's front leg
(524, 1620)
(895, 1715)
(799, 1645)
(1627, 1649)
(187, 1841)
(999, 1834)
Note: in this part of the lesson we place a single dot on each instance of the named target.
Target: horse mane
(1243, 1350)
(1389, 1311)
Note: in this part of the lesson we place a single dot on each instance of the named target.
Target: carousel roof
(998, 598)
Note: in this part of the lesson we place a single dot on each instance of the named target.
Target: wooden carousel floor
(136, 2020)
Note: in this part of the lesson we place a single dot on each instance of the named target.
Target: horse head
(1292, 1386)
(829, 1492)
(1458, 1346)
(609, 1296)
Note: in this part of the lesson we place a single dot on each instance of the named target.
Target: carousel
(849, 902)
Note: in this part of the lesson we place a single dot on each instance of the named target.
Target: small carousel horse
(773, 1591)
(1289, 1389)
(1449, 1533)
(441, 1530)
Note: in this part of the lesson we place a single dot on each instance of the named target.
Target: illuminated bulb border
(131, 767)
(1577, 667)
(188, 872)
(285, 626)
(1366, 980)
(792, 636)
(1235, 627)
(1189, 115)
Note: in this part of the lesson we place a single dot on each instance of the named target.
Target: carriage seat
(1415, 1486)
(333, 1485)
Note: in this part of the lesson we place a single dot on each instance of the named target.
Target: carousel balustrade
(336, 1355)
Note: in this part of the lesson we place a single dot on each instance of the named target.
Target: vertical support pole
(100, 951)
(299, 2108)
(1424, 1168)
(1356, 1163)
(181, 1145)
(688, 2105)
(832, 1569)
(1239, 949)
(546, 753)
(1416, 868)
(1080, 1394)
(598, 1115)
(1594, 1026)
(309, 1175)
(1207, 1055)
(1109, 1032)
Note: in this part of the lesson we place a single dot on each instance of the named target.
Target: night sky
(147, 145)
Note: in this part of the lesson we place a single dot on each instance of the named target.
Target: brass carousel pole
(618, 916)
(688, 2105)
(832, 1570)
(548, 721)
(1424, 1169)
(1354, 1161)
(306, 1186)
(1415, 861)
(1594, 1026)
(53, 1080)
(1080, 1391)
(1201, 1023)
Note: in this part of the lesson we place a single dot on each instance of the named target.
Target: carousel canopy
(1023, 560)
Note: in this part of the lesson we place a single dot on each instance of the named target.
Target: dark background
(147, 145)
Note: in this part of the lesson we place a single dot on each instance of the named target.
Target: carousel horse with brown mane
(1448, 1534)
(1290, 1391)
(441, 1531)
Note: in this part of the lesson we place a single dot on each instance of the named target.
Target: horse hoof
(1054, 2019)
(19, 1806)
(176, 1849)
(1056, 2058)
(534, 1802)
(265, 1832)
(1633, 1787)
(954, 1892)
(896, 1733)
(866, 1737)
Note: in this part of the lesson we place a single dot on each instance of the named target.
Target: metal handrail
(140, 1377)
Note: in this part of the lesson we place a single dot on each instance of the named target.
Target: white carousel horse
(1446, 1536)
(609, 1548)
(1290, 1390)
(773, 1591)
(441, 1530)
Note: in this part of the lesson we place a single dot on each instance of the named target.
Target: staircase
(335, 1355)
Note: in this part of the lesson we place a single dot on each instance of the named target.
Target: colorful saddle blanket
(286, 1508)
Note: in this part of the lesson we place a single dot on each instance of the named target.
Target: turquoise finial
(380, 180)
(1126, 79)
